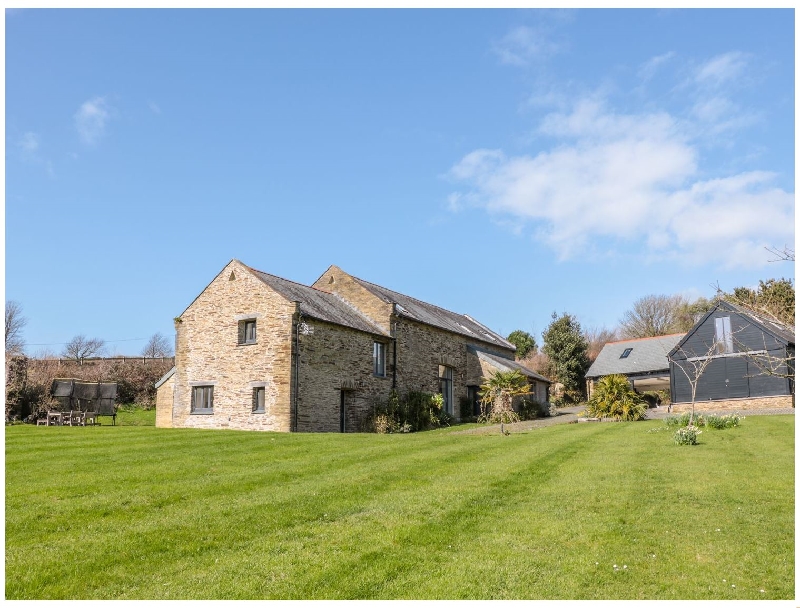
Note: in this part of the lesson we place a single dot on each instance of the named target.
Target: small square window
(379, 359)
(247, 331)
(202, 399)
(258, 400)
(625, 353)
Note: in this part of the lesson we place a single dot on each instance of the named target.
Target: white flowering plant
(686, 435)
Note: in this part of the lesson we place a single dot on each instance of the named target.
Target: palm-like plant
(614, 397)
(497, 393)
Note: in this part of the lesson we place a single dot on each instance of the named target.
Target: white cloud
(29, 143)
(522, 45)
(629, 178)
(721, 69)
(649, 68)
(154, 107)
(91, 119)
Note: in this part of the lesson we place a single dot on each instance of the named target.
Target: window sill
(202, 412)
(259, 412)
(246, 343)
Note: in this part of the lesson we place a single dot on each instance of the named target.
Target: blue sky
(501, 163)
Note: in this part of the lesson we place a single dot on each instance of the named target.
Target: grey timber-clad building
(642, 360)
(750, 361)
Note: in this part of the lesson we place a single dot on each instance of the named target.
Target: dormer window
(625, 353)
(247, 331)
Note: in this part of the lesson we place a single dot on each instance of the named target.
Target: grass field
(140, 512)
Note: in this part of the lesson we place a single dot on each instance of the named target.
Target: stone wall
(164, 400)
(333, 360)
(422, 348)
(754, 403)
(208, 353)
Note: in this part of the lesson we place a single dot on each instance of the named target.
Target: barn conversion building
(749, 362)
(259, 352)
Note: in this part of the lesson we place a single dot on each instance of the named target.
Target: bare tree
(80, 348)
(157, 346)
(15, 321)
(693, 367)
(597, 339)
(653, 315)
(781, 255)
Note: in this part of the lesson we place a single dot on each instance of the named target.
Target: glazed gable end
(734, 371)
(212, 351)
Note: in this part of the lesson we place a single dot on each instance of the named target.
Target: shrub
(614, 397)
(723, 422)
(686, 435)
(416, 411)
(683, 420)
(465, 409)
(497, 394)
(527, 409)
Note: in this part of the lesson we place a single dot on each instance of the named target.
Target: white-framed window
(722, 335)
(259, 393)
(247, 331)
(379, 359)
(202, 399)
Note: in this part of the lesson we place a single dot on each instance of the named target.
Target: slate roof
(777, 329)
(319, 304)
(429, 314)
(165, 377)
(647, 355)
(509, 365)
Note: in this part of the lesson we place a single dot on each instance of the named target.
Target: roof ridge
(647, 338)
(758, 315)
(275, 276)
(460, 314)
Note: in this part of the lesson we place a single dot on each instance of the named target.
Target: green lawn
(140, 512)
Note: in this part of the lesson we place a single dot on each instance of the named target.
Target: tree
(690, 313)
(597, 339)
(653, 315)
(524, 342)
(15, 321)
(566, 347)
(782, 255)
(693, 366)
(157, 346)
(614, 397)
(80, 347)
(773, 297)
(497, 394)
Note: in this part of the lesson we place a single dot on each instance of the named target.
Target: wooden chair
(66, 418)
(90, 418)
(78, 418)
(54, 418)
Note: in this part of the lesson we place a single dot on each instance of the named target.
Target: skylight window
(625, 353)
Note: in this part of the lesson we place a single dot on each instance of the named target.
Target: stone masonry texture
(318, 380)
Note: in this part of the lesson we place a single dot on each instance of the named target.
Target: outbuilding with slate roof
(259, 352)
(642, 360)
